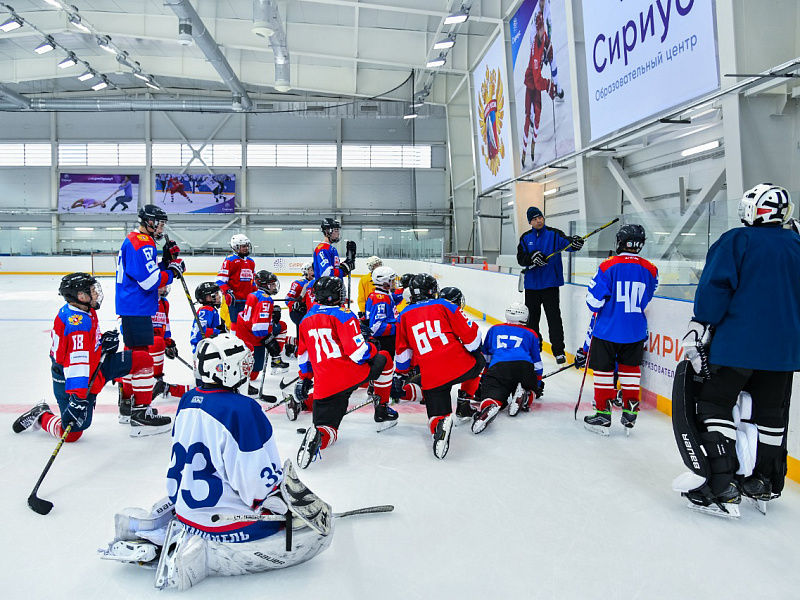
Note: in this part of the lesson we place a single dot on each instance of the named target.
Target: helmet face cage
(384, 278)
(329, 291)
(630, 238)
(373, 262)
(331, 228)
(241, 245)
(307, 270)
(423, 287)
(223, 360)
(765, 204)
(208, 293)
(517, 313)
(153, 218)
(77, 283)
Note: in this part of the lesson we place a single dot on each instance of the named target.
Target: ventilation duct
(267, 24)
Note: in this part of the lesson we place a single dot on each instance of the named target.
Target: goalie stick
(383, 508)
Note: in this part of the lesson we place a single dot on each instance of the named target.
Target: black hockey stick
(557, 371)
(189, 298)
(283, 386)
(383, 508)
(583, 381)
(39, 505)
(188, 366)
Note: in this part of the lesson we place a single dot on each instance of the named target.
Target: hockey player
(618, 293)
(174, 185)
(535, 84)
(439, 338)
(543, 277)
(332, 350)
(299, 300)
(261, 328)
(326, 257)
(214, 186)
(240, 475)
(75, 354)
(548, 22)
(209, 298)
(235, 277)
(366, 286)
(454, 295)
(139, 278)
(752, 275)
(515, 367)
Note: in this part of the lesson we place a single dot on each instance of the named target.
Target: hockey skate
(441, 436)
(145, 421)
(160, 388)
(464, 410)
(32, 418)
(481, 420)
(293, 407)
(758, 491)
(629, 414)
(385, 417)
(559, 97)
(125, 411)
(725, 504)
(599, 423)
(138, 552)
(278, 365)
(309, 447)
(521, 398)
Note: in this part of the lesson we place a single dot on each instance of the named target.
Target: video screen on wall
(92, 194)
(195, 193)
(542, 88)
(642, 60)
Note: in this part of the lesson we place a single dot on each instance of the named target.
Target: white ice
(533, 507)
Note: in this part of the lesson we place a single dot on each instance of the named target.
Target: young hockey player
(175, 186)
(618, 293)
(139, 278)
(438, 337)
(75, 354)
(515, 366)
(454, 295)
(209, 297)
(332, 350)
(744, 336)
(261, 328)
(299, 300)
(366, 286)
(235, 277)
(240, 476)
(326, 257)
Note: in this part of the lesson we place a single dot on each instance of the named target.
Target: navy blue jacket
(750, 291)
(547, 240)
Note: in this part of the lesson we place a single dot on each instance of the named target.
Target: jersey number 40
(630, 293)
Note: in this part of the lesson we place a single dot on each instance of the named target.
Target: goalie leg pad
(183, 561)
(305, 504)
(685, 389)
(137, 523)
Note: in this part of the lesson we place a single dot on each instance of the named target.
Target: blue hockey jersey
(510, 342)
(619, 292)
(212, 325)
(224, 460)
(326, 261)
(139, 276)
(382, 312)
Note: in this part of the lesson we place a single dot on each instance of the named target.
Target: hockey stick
(557, 371)
(39, 505)
(356, 407)
(283, 386)
(189, 298)
(359, 511)
(583, 381)
(188, 366)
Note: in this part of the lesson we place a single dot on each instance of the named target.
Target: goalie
(225, 467)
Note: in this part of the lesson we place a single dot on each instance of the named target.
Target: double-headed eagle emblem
(491, 109)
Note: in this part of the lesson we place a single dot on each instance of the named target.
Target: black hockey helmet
(329, 291)
(150, 215)
(75, 283)
(423, 287)
(328, 225)
(206, 289)
(405, 280)
(454, 295)
(630, 238)
(267, 282)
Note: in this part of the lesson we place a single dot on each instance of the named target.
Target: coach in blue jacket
(543, 277)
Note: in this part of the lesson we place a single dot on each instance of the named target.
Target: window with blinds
(25, 155)
(291, 155)
(360, 156)
(213, 155)
(102, 155)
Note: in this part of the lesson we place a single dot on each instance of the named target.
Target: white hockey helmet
(517, 313)
(765, 203)
(223, 360)
(307, 270)
(373, 262)
(241, 245)
(383, 278)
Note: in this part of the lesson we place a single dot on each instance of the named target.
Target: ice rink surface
(534, 507)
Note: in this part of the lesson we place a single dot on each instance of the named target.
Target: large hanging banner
(644, 57)
(185, 193)
(492, 117)
(92, 194)
(540, 58)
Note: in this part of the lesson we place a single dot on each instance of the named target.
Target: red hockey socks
(383, 384)
(52, 424)
(329, 435)
(470, 386)
(604, 389)
(157, 354)
(142, 380)
(629, 378)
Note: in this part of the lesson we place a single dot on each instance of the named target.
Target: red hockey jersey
(161, 320)
(255, 320)
(237, 275)
(437, 336)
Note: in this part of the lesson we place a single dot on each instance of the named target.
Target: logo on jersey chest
(75, 319)
(245, 275)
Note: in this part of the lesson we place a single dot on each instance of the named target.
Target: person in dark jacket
(745, 336)
(543, 277)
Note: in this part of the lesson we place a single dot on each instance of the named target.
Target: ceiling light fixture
(151, 85)
(141, 76)
(105, 43)
(437, 62)
(550, 192)
(68, 62)
(273, 228)
(76, 22)
(418, 104)
(55, 3)
(45, 47)
(101, 85)
(457, 17)
(13, 23)
(700, 148)
(87, 76)
(371, 229)
(411, 115)
(446, 43)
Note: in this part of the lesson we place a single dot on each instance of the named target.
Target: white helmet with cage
(241, 245)
(517, 313)
(765, 204)
(307, 270)
(223, 360)
(384, 278)
(373, 262)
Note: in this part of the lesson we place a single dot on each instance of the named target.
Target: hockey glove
(580, 358)
(177, 267)
(298, 311)
(538, 259)
(362, 316)
(576, 242)
(76, 413)
(276, 315)
(229, 298)
(350, 254)
(109, 342)
(170, 348)
(540, 390)
(272, 345)
(302, 388)
(344, 268)
(171, 251)
(696, 344)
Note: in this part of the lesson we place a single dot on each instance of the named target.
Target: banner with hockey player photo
(493, 117)
(542, 88)
(92, 194)
(644, 57)
(195, 193)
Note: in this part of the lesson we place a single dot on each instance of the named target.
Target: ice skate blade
(124, 420)
(148, 430)
(598, 429)
(759, 505)
(279, 370)
(384, 425)
(715, 511)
